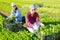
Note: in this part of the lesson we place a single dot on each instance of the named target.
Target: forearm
(29, 24)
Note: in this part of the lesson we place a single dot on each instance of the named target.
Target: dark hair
(16, 9)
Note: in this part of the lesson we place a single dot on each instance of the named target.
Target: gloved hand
(8, 19)
(35, 28)
(42, 24)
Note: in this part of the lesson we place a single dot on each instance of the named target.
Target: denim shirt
(17, 15)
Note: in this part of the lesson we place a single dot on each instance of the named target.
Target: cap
(13, 4)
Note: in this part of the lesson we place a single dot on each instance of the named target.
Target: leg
(36, 26)
(30, 29)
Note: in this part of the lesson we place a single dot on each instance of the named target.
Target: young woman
(15, 16)
(32, 19)
(16, 13)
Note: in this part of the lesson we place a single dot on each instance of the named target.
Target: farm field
(49, 14)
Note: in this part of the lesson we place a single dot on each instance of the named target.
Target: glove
(35, 28)
(42, 24)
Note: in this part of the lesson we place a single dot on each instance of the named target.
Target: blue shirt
(17, 15)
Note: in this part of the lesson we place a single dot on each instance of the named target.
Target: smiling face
(14, 7)
(32, 11)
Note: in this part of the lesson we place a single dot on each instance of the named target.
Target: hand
(42, 24)
(7, 18)
(35, 28)
(15, 19)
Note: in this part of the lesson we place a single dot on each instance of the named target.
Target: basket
(12, 26)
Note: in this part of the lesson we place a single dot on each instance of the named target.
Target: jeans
(32, 29)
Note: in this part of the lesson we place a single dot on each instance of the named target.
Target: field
(49, 14)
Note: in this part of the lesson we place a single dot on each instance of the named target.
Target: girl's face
(14, 7)
(33, 11)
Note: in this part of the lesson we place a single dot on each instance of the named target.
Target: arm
(19, 13)
(37, 20)
(27, 21)
(11, 14)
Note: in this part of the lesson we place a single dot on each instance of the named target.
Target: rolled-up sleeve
(11, 13)
(28, 22)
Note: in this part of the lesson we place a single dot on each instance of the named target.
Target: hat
(13, 4)
(32, 6)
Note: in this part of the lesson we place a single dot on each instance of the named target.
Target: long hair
(15, 9)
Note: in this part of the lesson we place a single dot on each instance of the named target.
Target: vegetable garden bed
(49, 32)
